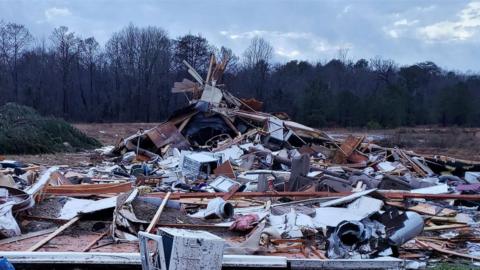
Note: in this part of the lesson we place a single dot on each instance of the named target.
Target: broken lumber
(195, 226)
(445, 251)
(347, 148)
(230, 194)
(52, 235)
(42, 181)
(249, 194)
(26, 236)
(88, 190)
(91, 244)
(386, 194)
(446, 227)
(156, 217)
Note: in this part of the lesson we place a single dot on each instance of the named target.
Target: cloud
(399, 27)
(315, 32)
(393, 33)
(54, 12)
(464, 28)
(426, 8)
(405, 22)
(290, 45)
(290, 54)
(344, 11)
(265, 34)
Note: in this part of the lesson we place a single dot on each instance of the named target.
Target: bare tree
(140, 57)
(65, 49)
(193, 49)
(385, 68)
(343, 55)
(154, 47)
(90, 57)
(14, 40)
(258, 51)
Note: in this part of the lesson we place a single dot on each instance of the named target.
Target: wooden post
(158, 213)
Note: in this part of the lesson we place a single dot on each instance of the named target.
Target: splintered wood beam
(386, 194)
(230, 194)
(230, 125)
(87, 248)
(445, 251)
(26, 236)
(55, 233)
(184, 123)
(212, 59)
(85, 190)
(446, 227)
(158, 213)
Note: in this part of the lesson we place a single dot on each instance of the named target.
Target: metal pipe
(412, 226)
(386, 194)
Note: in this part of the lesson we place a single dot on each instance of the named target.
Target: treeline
(130, 78)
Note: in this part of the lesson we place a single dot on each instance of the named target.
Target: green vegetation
(24, 131)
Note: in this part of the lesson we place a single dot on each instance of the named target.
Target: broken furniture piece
(178, 249)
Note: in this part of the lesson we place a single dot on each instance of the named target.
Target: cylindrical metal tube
(412, 227)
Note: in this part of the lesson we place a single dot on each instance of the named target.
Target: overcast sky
(446, 32)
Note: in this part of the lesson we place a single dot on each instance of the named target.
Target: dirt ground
(106, 133)
(112, 133)
(463, 143)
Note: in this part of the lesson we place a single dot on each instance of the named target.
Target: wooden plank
(195, 226)
(236, 140)
(432, 210)
(225, 169)
(231, 192)
(184, 124)
(193, 72)
(209, 73)
(446, 227)
(445, 251)
(248, 194)
(346, 148)
(26, 236)
(89, 246)
(447, 220)
(415, 167)
(230, 125)
(426, 209)
(55, 233)
(158, 213)
(43, 180)
(90, 189)
(386, 194)
(319, 254)
(195, 76)
(184, 86)
(167, 134)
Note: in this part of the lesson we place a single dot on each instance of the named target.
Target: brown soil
(461, 143)
(112, 133)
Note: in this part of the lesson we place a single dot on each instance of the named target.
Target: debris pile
(261, 182)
